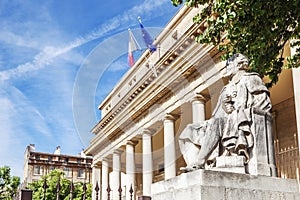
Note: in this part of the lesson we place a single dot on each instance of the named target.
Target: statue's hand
(228, 107)
(227, 98)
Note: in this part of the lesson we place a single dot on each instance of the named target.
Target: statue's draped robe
(230, 132)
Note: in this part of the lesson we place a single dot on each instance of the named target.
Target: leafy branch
(259, 29)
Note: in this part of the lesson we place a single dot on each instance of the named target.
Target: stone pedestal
(207, 184)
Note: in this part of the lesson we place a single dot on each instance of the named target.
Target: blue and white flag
(147, 38)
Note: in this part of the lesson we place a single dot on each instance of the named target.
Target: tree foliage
(258, 29)
(65, 186)
(8, 184)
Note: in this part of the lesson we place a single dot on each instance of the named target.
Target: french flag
(132, 46)
(147, 38)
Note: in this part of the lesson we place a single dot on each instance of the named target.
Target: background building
(136, 141)
(38, 164)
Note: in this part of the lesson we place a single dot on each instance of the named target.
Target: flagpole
(151, 66)
(133, 37)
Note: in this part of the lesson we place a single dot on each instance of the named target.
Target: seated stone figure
(228, 132)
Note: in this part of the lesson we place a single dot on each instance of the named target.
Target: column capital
(132, 142)
(148, 131)
(105, 159)
(118, 151)
(171, 117)
(200, 97)
(96, 165)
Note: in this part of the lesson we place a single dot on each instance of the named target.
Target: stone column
(198, 108)
(116, 174)
(296, 82)
(147, 162)
(130, 167)
(104, 177)
(169, 147)
(96, 177)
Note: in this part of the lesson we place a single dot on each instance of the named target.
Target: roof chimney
(82, 154)
(31, 147)
(57, 150)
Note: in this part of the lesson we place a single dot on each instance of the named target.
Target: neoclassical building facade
(136, 140)
(77, 168)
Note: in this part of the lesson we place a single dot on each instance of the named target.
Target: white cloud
(49, 53)
(21, 123)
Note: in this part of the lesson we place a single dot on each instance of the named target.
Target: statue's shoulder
(254, 82)
(252, 74)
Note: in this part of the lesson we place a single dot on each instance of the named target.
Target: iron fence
(287, 160)
(27, 194)
(108, 190)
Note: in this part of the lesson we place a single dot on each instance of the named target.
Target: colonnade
(198, 114)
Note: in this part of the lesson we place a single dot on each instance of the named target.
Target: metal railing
(287, 160)
(108, 190)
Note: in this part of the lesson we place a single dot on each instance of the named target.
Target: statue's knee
(189, 126)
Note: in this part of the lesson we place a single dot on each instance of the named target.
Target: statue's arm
(260, 95)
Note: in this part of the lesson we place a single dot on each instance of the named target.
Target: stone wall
(285, 119)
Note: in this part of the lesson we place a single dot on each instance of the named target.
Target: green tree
(65, 186)
(258, 29)
(78, 191)
(8, 184)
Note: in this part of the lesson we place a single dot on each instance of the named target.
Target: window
(79, 160)
(37, 170)
(80, 173)
(37, 157)
(68, 172)
(51, 168)
(49, 158)
(66, 160)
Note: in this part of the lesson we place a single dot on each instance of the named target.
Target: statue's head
(235, 63)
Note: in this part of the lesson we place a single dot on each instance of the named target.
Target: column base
(144, 198)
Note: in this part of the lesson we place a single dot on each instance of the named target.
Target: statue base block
(208, 184)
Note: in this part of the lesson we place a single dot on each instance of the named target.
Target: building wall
(39, 164)
(285, 120)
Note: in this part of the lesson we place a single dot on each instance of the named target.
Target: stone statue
(228, 132)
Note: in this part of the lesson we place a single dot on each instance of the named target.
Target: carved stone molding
(118, 151)
(171, 117)
(132, 142)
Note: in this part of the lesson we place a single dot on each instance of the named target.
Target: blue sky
(58, 60)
